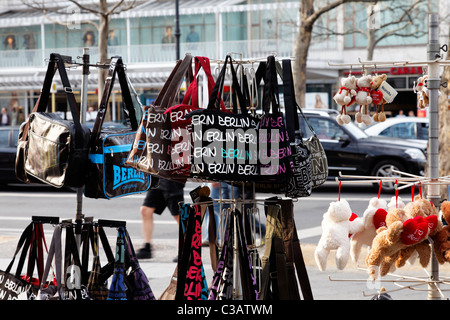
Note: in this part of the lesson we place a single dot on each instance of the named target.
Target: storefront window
(20, 38)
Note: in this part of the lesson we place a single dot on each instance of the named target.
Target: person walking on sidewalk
(167, 195)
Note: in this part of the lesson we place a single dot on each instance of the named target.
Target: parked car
(412, 128)
(8, 149)
(351, 151)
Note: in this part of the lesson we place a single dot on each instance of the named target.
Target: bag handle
(216, 93)
(56, 62)
(271, 94)
(24, 244)
(55, 251)
(115, 66)
(292, 125)
(174, 82)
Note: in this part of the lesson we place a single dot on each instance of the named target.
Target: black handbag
(50, 149)
(300, 184)
(15, 286)
(225, 146)
(274, 143)
(109, 147)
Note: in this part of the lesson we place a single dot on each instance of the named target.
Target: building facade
(145, 37)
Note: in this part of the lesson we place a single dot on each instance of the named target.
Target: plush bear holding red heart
(400, 232)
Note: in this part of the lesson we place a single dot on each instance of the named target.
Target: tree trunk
(103, 50)
(301, 51)
(444, 129)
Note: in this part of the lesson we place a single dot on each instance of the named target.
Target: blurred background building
(145, 37)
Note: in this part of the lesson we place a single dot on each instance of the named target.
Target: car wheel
(384, 169)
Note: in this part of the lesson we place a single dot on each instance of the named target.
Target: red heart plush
(379, 218)
(414, 230)
(377, 96)
(352, 217)
(432, 222)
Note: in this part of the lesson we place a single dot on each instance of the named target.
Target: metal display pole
(83, 107)
(434, 83)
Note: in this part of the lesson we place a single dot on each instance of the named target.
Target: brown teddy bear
(400, 232)
(377, 97)
(442, 238)
(423, 208)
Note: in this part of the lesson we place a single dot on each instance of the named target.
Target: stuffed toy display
(345, 97)
(364, 91)
(400, 232)
(337, 224)
(373, 218)
(377, 97)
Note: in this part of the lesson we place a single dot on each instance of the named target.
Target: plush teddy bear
(373, 217)
(422, 90)
(419, 208)
(337, 225)
(377, 97)
(345, 97)
(400, 233)
(442, 238)
(363, 99)
(396, 202)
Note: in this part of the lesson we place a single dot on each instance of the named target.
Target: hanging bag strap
(292, 121)
(216, 94)
(248, 280)
(23, 244)
(271, 99)
(274, 260)
(115, 67)
(55, 251)
(174, 82)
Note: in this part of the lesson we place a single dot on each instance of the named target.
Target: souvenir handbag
(138, 282)
(224, 143)
(318, 156)
(109, 147)
(249, 288)
(15, 286)
(98, 282)
(119, 287)
(181, 127)
(300, 184)
(52, 150)
(151, 150)
(222, 283)
(274, 259)
(74, 283)
(295, 264)
(273, 139)
(191, 281)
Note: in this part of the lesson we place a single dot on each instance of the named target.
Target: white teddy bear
(363, 98)
(373, 218)
(337, 226)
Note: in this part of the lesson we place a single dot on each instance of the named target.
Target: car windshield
(327, 128)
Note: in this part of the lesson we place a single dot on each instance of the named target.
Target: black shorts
(167, 194)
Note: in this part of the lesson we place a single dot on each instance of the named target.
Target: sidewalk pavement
(332, 284)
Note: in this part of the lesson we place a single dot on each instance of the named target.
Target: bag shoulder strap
(116, 67)
(175, 81)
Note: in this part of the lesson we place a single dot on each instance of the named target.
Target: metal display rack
(432, 181)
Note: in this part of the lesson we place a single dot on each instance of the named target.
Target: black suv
(351, 151)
